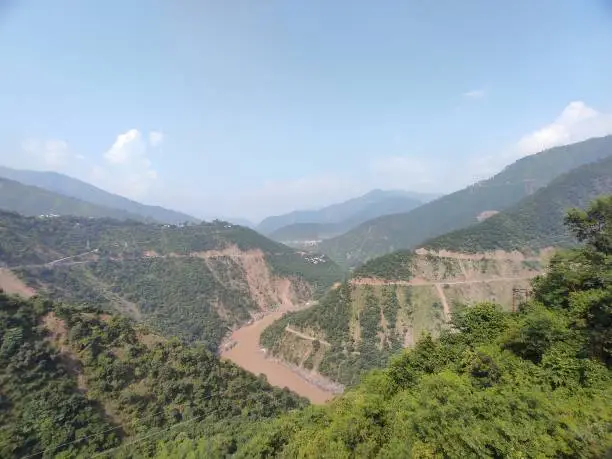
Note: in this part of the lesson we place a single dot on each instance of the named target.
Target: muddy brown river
(247, 354)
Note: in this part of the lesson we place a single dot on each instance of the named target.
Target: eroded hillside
(196, 282)
(360, 324)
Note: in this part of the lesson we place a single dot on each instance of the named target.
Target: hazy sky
(251, 108)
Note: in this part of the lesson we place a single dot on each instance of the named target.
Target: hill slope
(194, 281)
(349, 213)
(76, 382)
(537, 220)
(535, 383)
(388, 304)
(68, 186)
(34, 201)
(460, 209)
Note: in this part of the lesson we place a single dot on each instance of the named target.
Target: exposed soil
(12, 285)
(265, 288)
(447, 311)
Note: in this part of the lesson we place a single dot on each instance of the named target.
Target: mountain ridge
(460, 209)
(367, 205)
(34, 201)
(78, 189)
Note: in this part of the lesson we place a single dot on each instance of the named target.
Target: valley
(244, 350)
(392, 301)
(142, 322)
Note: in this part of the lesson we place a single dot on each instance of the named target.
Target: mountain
(80, 382)
(462, 208)
(68, 186)
(531, 383)
(393, 298)
(34, 201)
(194, 282)
(537, 220)
(351, 212)
(76, 382)
(306, 234)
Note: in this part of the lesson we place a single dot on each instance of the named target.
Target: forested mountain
(462, 208)
(537, 220)
(343, 216)
(74, 188)
(535, 383)
(297, 233)
(193, 281)
(388, 304)
(75, 382)
(34, 201)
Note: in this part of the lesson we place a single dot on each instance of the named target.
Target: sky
(248, 108)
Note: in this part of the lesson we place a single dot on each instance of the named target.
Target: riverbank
(244, 350)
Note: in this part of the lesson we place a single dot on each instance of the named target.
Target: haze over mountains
(462, 208)
(74, 188)
(304, 228)
(130, 287)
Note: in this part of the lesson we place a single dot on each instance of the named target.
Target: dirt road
(247, 354)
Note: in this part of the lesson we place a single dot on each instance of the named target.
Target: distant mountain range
(34, 201)
(339, 218)
(537, 220)
(70, 187)
(462, 208)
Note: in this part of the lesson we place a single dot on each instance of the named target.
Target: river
(247, 354)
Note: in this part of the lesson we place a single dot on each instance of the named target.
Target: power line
(138, 440)
(86, 437)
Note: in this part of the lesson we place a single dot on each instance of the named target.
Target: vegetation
(394, 266)
(34, 201)
(160, 273)
(537, 220)
(537, 383)
(364, 326)
(68, 187)
(88, 382)
(460, 209)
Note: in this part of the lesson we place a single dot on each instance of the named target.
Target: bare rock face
(486, 214)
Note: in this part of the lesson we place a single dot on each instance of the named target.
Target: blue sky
(248, 108)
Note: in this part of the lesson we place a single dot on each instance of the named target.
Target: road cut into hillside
(245, 351)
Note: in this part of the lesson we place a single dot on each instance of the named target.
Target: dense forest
(536, 383)
(76, 381)
(461, 209)
(537, 220)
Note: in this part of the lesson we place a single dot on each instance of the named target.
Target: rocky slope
(361, 323)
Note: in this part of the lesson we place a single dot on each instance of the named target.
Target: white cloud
(50, 154)
(127, 148)
(576, 122)
(129, 171)
(156, 138)
(475, 94)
